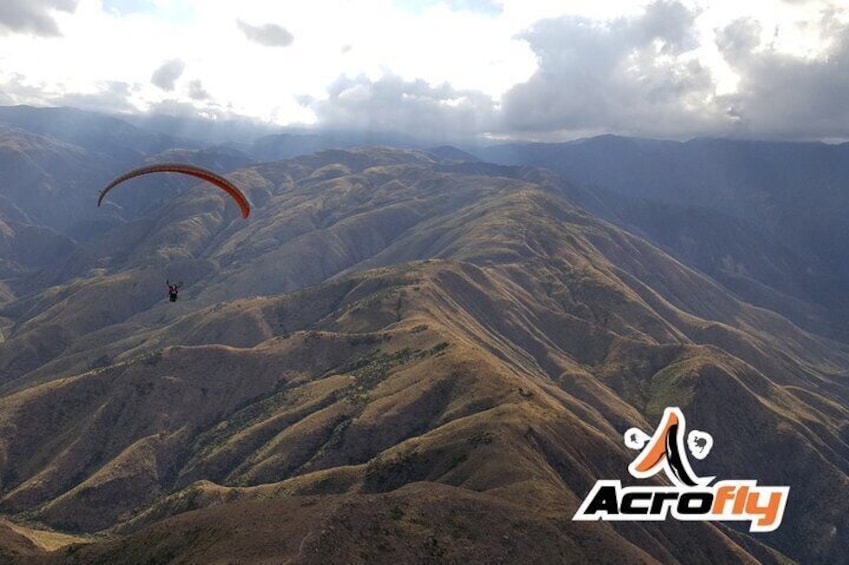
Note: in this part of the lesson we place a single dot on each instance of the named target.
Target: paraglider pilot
(173, 289)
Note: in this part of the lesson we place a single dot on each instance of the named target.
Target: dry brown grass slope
(362, 425)
(14, 545)
(455, 401)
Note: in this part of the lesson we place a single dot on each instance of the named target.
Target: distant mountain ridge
(791, 197)
(760, 182)
(106, 134)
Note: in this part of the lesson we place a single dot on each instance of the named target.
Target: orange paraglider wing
(186, 169)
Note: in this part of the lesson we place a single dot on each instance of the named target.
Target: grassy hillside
(398, 360)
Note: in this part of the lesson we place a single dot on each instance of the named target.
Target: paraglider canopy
(186, 169)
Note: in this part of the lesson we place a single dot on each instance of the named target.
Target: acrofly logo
(691, 497)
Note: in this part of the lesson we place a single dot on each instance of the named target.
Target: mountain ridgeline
(403, 356)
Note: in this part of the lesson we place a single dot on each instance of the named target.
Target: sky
(545, 70)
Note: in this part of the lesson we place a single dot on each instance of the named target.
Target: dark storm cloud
(414, 107)
(269, 35)
(32, 16)
(166, 76)
(627, 76)
(785, 96)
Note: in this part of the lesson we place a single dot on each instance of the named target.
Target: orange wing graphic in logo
(666, 451)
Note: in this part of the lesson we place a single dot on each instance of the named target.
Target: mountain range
(411, 354)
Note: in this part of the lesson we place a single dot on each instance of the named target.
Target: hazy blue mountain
(110, 136)
(747, 207)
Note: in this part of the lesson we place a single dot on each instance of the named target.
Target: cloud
(197, 91)
(738, 39)
(113, 96)
(630, 75)
(125, 7)
(486, 7)
(783, 95)
(646, 76)
(414, 107)
(180, 109)
(671, 23)
(489, 7)
(165, 77)
(515, 68)
(16, 89)
(32, 16)
(269, 35)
